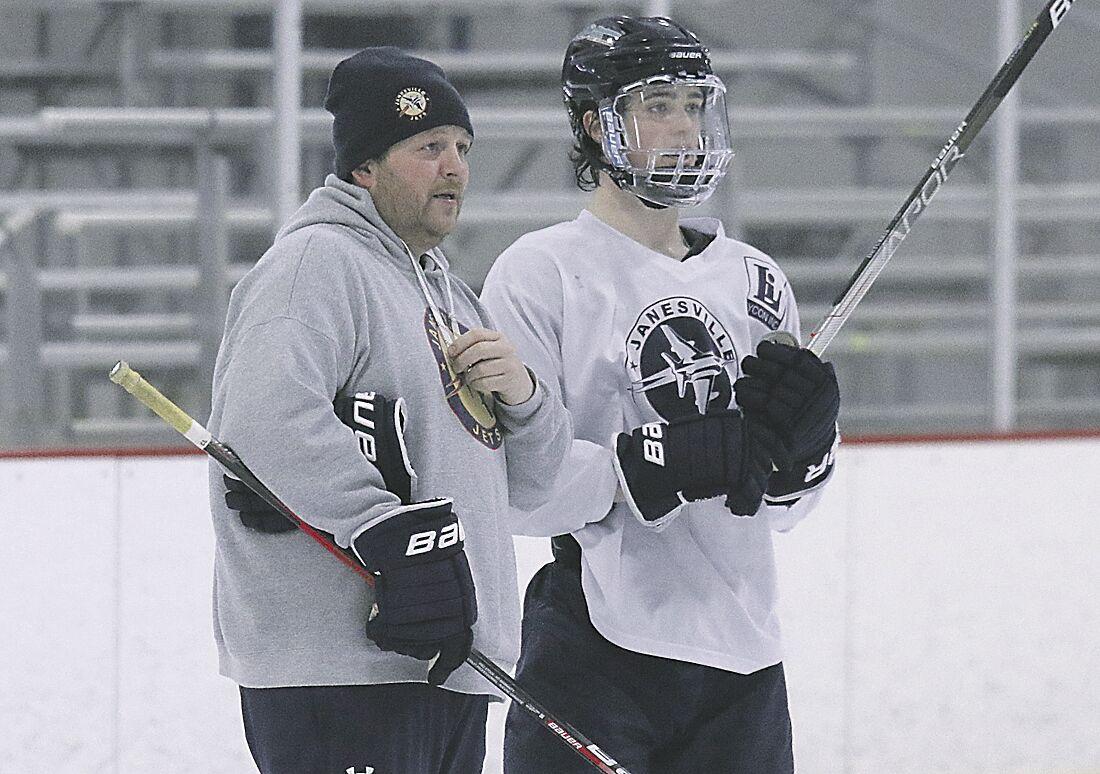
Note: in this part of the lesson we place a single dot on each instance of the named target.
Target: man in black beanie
(381, 98)
(383, 95)
(360, 380)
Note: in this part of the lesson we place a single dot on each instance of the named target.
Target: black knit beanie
(383, 95)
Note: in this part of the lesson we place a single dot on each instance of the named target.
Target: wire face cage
(668, 137)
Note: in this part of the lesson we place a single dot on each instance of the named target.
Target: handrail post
(287, 112)
(1004, 343)
(22, 375)
(213, 241)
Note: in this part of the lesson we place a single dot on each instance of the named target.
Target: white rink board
(58, 607)
(939, 612)
(107, 567)
(176, 714)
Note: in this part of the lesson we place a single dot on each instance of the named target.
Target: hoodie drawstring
(448, 332)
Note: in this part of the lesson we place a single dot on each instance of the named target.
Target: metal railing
(178, 295)
(1068, 330)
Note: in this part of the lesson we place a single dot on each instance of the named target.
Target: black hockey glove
(791, 482)
(379, 427)
(253, 510)
(424, 602)
(662, 465)
(796, 395)
(761, 447)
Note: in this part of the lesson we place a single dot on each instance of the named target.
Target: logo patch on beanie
(412, 103)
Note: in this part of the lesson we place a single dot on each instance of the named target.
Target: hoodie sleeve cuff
(517, 415)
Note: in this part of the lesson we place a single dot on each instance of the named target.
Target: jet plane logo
(680, 358)
(412, 103)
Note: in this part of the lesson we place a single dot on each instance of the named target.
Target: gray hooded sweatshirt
(334, 307)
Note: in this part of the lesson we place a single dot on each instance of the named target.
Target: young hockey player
(655, 626)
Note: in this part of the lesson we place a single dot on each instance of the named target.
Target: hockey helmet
(661, 108)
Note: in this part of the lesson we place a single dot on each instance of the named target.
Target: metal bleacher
(136, 188)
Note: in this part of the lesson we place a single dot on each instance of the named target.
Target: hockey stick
(131, 381)
(929, 185)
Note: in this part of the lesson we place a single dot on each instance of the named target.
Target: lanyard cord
(448, 332)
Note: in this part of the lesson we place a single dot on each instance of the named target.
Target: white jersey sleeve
(523, 293)
(783, 518)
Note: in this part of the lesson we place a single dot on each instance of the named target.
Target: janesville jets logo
(680, 358)
(412, 103)
(470, 408)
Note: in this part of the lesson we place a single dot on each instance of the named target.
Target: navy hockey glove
(424, 602)
(253, 510)
(662, 465)
(760, 448)
(379, 427)
(796, 395)
(789, 483)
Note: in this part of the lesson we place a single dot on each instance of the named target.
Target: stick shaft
(132, 382)
(934, 179)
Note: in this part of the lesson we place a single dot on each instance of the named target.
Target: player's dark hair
(586, 157)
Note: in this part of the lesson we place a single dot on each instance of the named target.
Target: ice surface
(939, 608)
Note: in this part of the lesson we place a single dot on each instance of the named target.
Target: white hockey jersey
(629, 335)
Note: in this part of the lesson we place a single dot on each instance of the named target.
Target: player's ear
(591, 124)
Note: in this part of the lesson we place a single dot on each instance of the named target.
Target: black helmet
(620, 54)
(617, 51)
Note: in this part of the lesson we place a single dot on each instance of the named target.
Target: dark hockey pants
(653, 715)
(403, 728)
